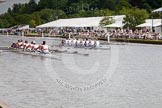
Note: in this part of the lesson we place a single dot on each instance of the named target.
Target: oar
(4, 48)
(58, 51)
(1, 51)
(64, 51)
(85, 54)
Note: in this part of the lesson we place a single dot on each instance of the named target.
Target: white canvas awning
(151, 23)
(158, 10)
(118, 23)
(114, 25)
(24, 27)
(76, 22)
(145, 25)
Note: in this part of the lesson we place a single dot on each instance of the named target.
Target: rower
(86, 43)
(83, 42)
(66, 41)
(97, 44)
(35, 47)
(20, 44)
(69, 42)
(91, 43)
(25, 45)
(78, 42)
(74, 41)
(45, 48)
(30, 46)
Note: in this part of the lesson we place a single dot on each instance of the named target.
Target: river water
(127, 76)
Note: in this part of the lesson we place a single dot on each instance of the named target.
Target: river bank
(142, 41)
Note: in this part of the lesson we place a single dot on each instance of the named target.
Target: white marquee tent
(118, 22)
(151, 23)
(79, 22)
(158, 10)
(24, 27)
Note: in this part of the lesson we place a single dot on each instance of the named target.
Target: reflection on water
(127, 76)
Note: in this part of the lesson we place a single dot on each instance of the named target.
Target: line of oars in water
(52, 51)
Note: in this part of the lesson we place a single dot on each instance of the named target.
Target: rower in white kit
(35, 46)
(44, 48)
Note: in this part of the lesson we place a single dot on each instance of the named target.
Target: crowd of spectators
(103, 33)
(97, 32)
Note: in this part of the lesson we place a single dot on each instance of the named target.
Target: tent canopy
(118, 22)
(74, 22)
(77, 22)
(150, 23)
(158, 10)
(114, 25)
(24, 27)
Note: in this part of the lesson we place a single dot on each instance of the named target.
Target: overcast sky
(4, 6)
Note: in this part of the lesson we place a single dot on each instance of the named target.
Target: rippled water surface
(127, 76)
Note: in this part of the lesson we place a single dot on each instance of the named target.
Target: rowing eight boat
(38, 54)
(101, 47)
(51, 54)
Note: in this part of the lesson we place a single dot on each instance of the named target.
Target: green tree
(16, 8)
(106, 21)
(121, 4)
(32, 23)
(37, 19)
(134, 16)
(23, 19)
(32, 6)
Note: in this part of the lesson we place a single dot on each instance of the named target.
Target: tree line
(44, 11)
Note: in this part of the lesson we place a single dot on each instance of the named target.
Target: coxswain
(62, 43)
(15, 45)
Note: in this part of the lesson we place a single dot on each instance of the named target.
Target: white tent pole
(108, 38)
(42, 34)
(152, 23)
(69, 35)
(22, 33)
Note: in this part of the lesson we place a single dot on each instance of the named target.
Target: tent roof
(145, 25)
(158, 10)
(148, 23)
(118, 23)
(115, 25)
(24, 27)
(76, 22)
